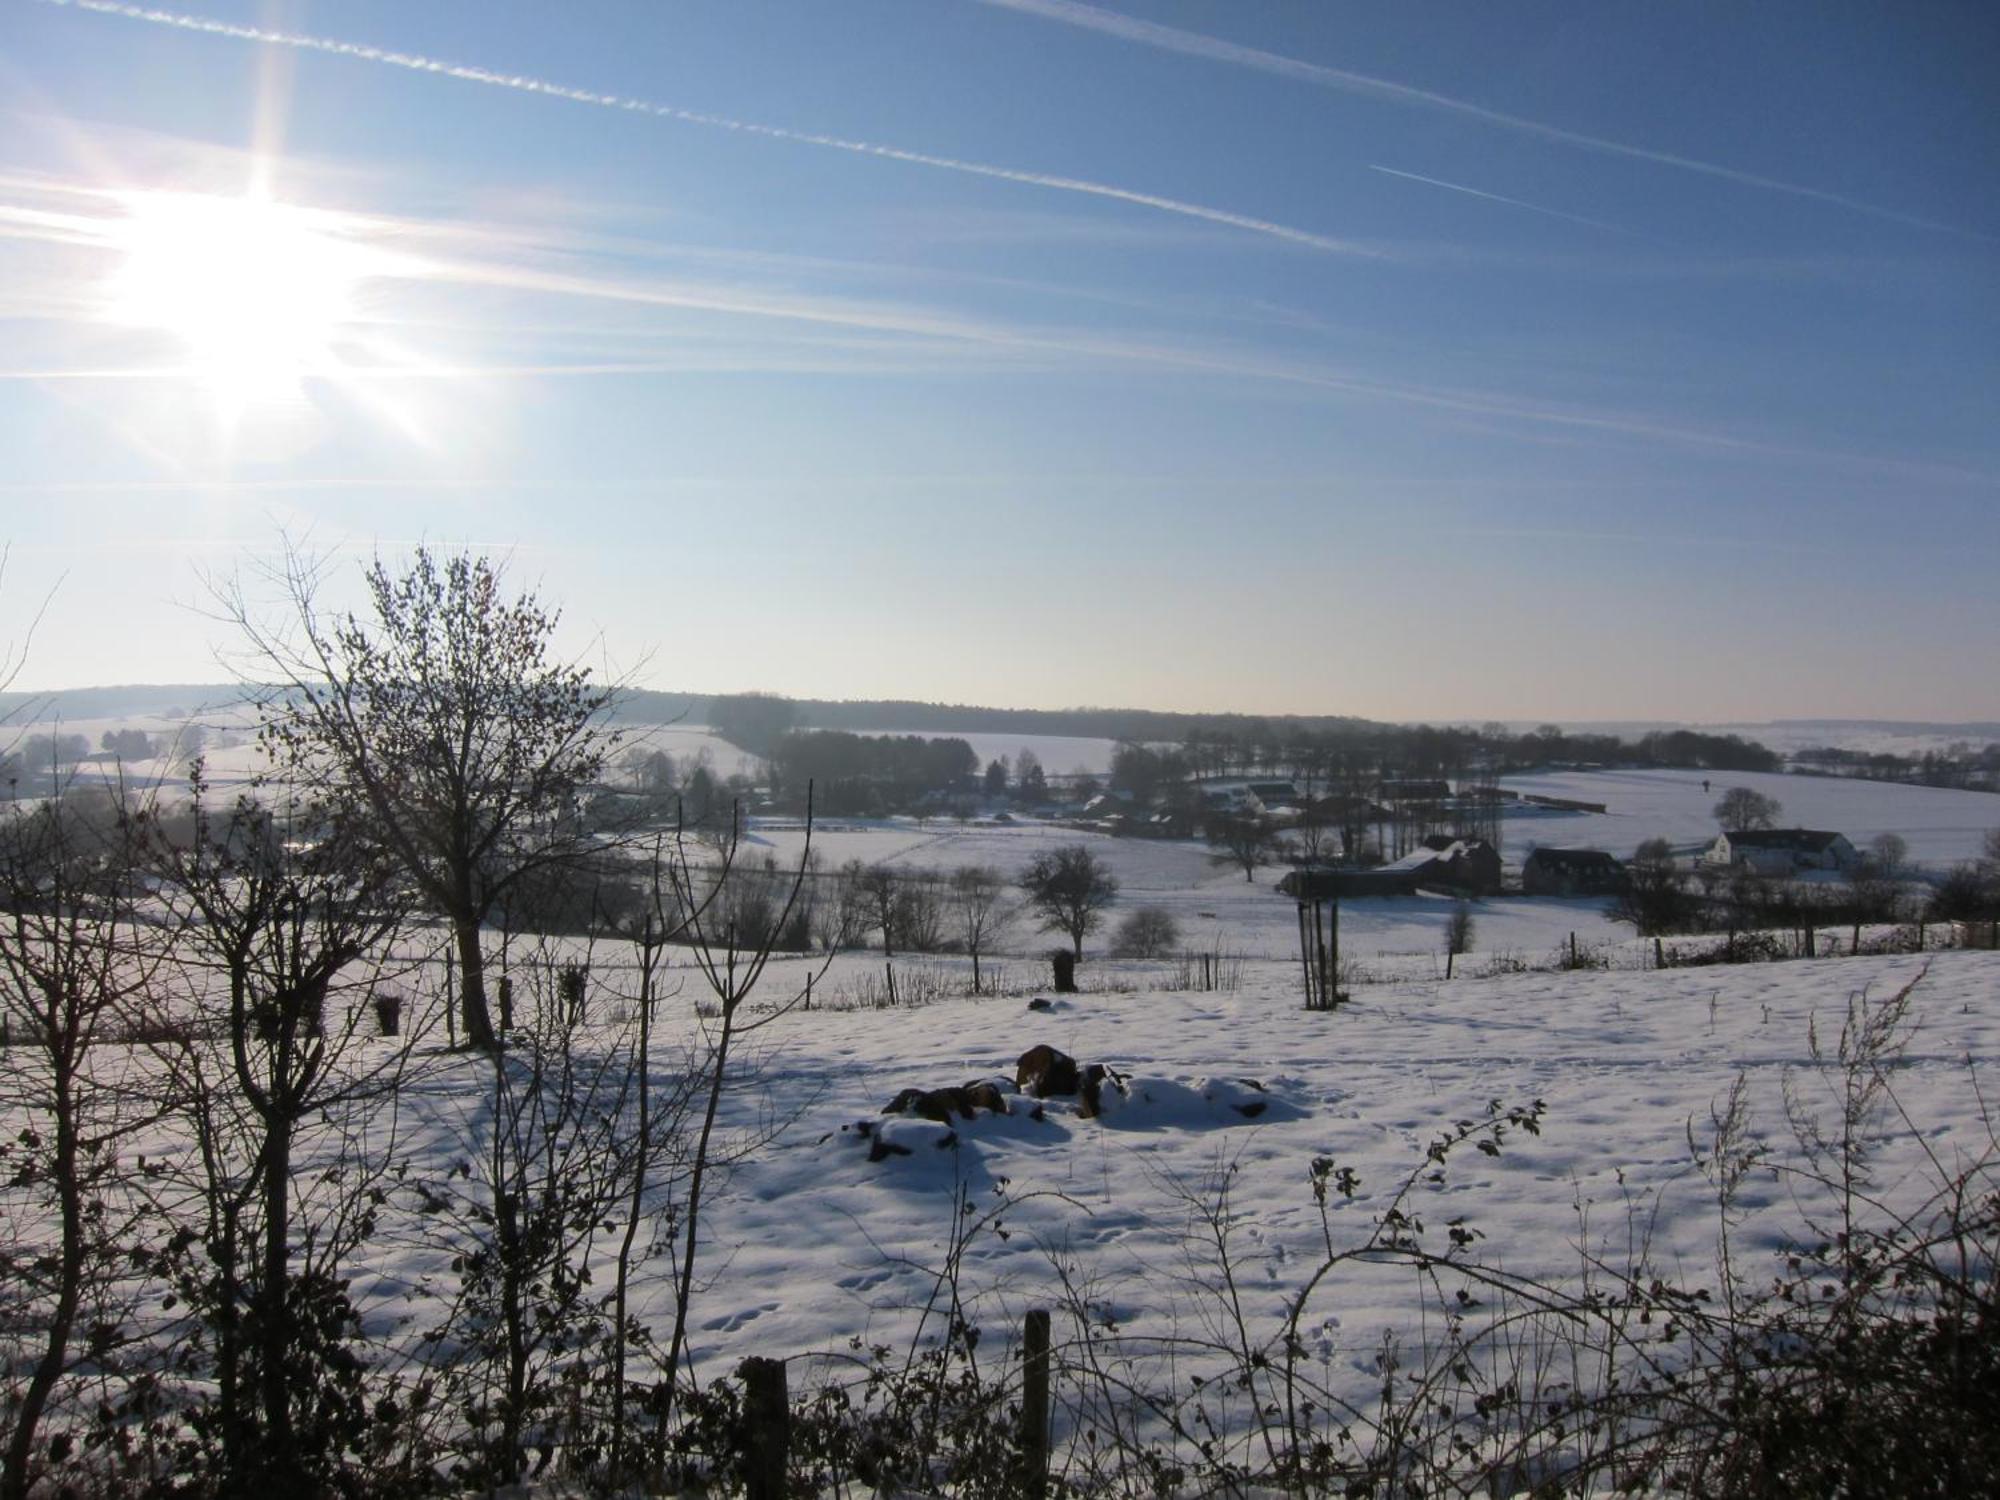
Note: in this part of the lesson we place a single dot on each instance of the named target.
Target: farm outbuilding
(1572, 872)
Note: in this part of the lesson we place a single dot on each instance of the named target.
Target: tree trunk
(473, 1014)
(273, 1336)
(228, 1331)
(684, 1282)
(55, 1349)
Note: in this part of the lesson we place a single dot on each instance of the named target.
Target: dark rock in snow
(943, 1105)
(1045, 1072)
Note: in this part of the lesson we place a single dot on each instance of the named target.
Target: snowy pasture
(1942, 826)
(1215, 908)
(824, 1235)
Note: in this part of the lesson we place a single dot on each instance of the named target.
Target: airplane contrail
(1459, 187)
(465, 73)
(1215, 49)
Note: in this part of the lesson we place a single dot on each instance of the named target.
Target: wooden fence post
(1035, 1404)
(767, 1424)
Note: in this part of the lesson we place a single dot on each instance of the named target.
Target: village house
(1256, 798)
(1781, 851)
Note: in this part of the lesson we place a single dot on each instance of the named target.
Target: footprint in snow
(737, 1319)
(862, 1281)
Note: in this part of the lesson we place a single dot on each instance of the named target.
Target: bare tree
(1030, 780)
(1316, 833)
(280, 905)
(1890, 851)
(1068, 889)
(880, 890)
(443, 722)
(731, 971)
(660, 921)
(840, 912)
(920, 913)
(1654, 899)
(1742, 809)
(977, 901)
(76, 960)
(1148, 932)
(1874, 889)
(1243, 839)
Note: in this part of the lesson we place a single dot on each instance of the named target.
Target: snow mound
(1141, 1103)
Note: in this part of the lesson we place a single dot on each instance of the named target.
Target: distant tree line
(855, 775)
(1961, 764)
(1183, 746)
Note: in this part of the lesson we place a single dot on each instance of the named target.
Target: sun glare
(259, 294)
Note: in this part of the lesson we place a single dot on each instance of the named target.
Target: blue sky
(1444, 362)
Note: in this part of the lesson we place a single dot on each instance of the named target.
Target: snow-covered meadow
(1942, 826)
(822, 1236)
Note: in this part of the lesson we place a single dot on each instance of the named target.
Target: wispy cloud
(856, 335)
(1473, 192)
(1215, 49)
(465, 73)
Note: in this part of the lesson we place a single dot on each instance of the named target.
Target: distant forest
(1224, 744)
(910, 717)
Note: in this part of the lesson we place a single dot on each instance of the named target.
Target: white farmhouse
(1781, 851)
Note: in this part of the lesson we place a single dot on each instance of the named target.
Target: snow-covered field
(1213, 905)
(1941, 826)
(813, 1243)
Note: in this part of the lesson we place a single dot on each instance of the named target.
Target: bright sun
(258, 293)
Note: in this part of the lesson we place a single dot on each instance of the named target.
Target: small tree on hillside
(1890, 851)
(1148, 932)
(1242, 839)
(1029, 776)
(127, 744)
(1742, 809)
(1068, 889)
